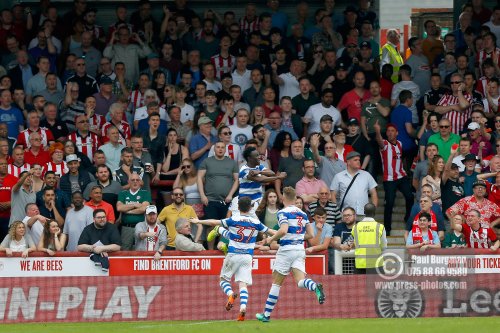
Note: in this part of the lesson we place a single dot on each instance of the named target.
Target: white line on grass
(185, 324)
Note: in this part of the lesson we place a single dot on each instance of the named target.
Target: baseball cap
(366, 44)
(478, 183)
(106, 80)
(454, 166)
(473, 126)
(71, 158)
(204, 120)
(338, 130)
(352, 154)
(326, 117)
(153, 55)
(151, 209)
(391, 125)
(341, 66)
(353, 121)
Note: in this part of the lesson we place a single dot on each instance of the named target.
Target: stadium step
(394, 241)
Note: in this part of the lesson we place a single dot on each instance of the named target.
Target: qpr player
(291, 255)
(242, 233)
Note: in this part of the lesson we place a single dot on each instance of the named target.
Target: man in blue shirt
(10, 115)
(401, 116)
(200, 144)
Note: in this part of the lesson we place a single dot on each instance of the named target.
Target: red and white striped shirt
(96, 122)
(247, 27)
(59, 168)
(456, 118)
(15, 170)
(392, 161)
(136, 100)
(223, 65)
(483, 55)
(482, 85)
(124, 131)
(482, 238)
(86, 145)
(45, 134)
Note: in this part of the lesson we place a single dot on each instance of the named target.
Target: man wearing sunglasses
(176, 210)
(445, 138)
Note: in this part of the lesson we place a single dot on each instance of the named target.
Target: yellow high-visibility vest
(368, 242)
(395, 60)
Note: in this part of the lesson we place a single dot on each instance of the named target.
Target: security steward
(369, 241)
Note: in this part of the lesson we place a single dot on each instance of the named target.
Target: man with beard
(110, 188)
(75, 179)
(63, 201)
(176, 210)
(96, 202)
(342, 237)
(358, 142)
(149, 234)
(208, 44)
(100, 232)
(292, 166)
(77, 219)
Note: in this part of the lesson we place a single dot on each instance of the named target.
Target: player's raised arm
(209, 222)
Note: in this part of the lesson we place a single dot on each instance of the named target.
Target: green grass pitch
(442, 325)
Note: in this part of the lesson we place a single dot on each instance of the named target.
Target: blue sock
(272, 299)
(243, 298)
(307, 284)
(226, 287)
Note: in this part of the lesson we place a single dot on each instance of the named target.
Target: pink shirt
(309, 186)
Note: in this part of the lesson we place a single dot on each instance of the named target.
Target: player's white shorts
(288, 259)
(239, 265)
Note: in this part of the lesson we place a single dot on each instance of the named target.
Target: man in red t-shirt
(492, 189)
(6, 183)
(476, 236)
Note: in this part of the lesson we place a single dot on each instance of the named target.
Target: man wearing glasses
(99, 238)
(132, 204)
(171, 213)
(444, 139)
(455, 106)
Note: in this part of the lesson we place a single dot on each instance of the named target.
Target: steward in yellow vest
(369, 241)
(389, 53)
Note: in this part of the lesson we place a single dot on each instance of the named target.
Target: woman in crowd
(168, 96)
(281, 149)
(57, 163)
(433, 178)
(159, 83)
(37, 181)
(52, 239)
(174, 154)
(70, 148)
(17, 241)
(258, 116)
(232, 151)
(267, 211)
(187, 179)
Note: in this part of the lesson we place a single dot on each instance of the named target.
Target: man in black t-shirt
(100, 238)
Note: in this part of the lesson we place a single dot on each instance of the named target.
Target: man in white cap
(478, 142)
(76, 179)
(149, 234)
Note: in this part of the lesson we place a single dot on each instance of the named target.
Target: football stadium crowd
(114, 138)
